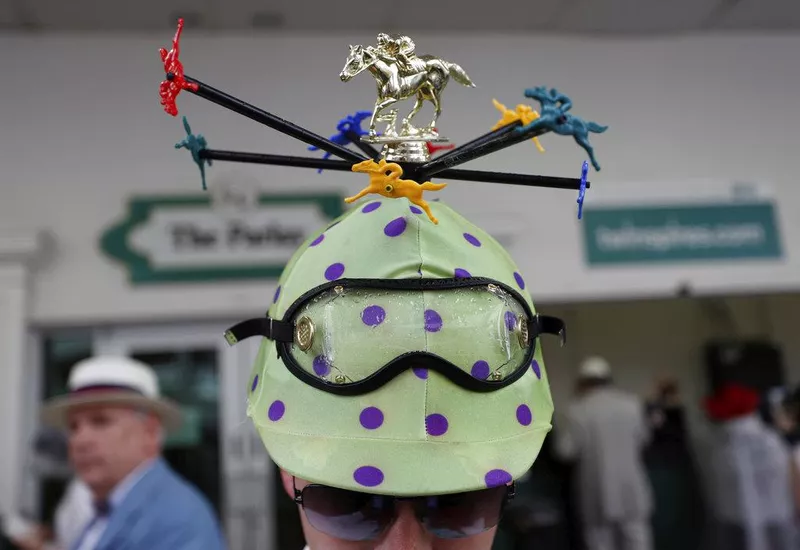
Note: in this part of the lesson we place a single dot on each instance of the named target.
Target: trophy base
(406, 151)
(408, 148)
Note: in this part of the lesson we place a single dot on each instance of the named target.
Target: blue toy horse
(349, 124)
(553, 117)
(195, 144)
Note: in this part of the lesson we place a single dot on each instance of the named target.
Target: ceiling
(559, 16)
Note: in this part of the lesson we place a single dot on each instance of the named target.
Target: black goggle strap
(283, 331)
(544, 324)
(277, 331)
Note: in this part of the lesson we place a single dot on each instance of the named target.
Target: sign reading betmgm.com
(187, 239)
(681, 233)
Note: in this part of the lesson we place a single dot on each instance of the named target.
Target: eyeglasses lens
(463, 514)
(347, 515)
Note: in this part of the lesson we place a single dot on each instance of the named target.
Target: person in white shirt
(748, 475)
(605, 432)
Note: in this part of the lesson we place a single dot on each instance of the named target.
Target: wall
(82, 130)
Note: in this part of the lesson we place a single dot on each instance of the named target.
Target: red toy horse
(175, 82)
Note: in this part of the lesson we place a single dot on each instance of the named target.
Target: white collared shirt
(97, 525)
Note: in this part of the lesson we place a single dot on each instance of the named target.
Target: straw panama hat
(112, 380)
(595, 367)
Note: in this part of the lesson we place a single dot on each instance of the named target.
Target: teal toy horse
(553, 117)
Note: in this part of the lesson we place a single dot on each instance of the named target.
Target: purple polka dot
(373, 315)
(371, 207)
(255, 383)
(524, 415)
(536, 370)
(334, 271)
(471, 239)
(371, 418)
(495, 478)
(321, 365)
(462, 273)
(368, 476)
(395, 227)
(277, 294)
(436, 424)
(420, 372)
(480, 370)
(415, 210)
(276, 410)
(511, 320)
(520, 280)
(433, 321)
(318, 240)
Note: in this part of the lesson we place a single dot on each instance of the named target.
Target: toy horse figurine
(384, 180)
(397, 82)
(351, 124)
(554, 118)
(176, 81)
(523, 113)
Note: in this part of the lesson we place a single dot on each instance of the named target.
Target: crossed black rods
(441, 166)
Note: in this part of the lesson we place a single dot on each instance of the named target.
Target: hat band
(105, 388)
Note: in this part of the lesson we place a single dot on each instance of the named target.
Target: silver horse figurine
(396, 83)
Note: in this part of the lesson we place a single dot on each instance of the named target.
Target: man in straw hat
(116, 419)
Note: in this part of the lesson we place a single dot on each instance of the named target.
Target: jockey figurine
(398, 50)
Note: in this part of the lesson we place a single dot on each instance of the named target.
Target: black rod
(507, 139)
(445, 159)
(528, 180)
(355, 139)
(275, 160)
(268, 119)
(344, 166)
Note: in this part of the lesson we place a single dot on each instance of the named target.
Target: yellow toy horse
(523, 113)
(384, 180)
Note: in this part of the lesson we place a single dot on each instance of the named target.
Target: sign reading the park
(185, 239)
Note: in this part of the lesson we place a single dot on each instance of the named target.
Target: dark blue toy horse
(553, 117)
(351, 124)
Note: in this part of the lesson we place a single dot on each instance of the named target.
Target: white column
(17, 253)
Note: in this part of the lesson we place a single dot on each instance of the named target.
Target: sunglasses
(355, 516)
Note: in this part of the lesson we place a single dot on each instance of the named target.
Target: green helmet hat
(401, 357)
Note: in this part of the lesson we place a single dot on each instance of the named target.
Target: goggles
(355, 516)
(352, 336)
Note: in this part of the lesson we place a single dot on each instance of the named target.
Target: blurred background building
(686, 263)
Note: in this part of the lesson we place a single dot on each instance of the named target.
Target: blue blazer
(162, 512)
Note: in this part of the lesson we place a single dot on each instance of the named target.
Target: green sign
(680, 233)
(183, 239)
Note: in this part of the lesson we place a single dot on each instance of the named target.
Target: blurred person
(605, 433)
(400, 385)
(784, 411)
(679, 518)
(748, 475)
(116, 420)
(50, 464)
